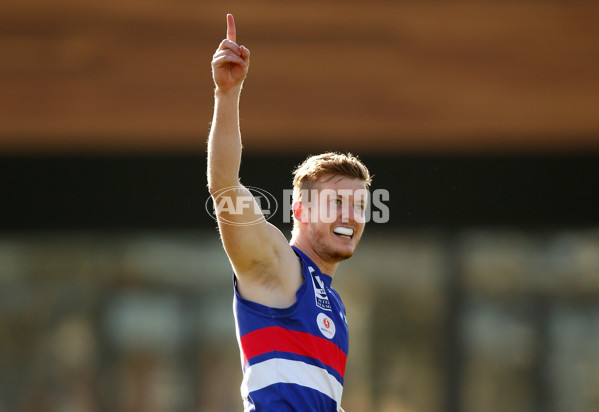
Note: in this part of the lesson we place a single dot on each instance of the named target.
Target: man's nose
(347, 213)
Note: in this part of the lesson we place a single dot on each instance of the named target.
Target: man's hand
(230, 62)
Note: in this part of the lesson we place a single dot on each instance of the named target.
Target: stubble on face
(330, 246)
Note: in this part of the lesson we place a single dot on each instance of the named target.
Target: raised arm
(229, 68)
(265, 266)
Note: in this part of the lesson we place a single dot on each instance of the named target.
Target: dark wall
(157, 192)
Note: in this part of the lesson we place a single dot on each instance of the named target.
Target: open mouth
(344, 232)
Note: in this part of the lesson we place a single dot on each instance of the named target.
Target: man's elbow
(216, 186)
(213, 188)
(219, 179)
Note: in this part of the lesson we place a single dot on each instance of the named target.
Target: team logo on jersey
(326, 326)
(320, 293)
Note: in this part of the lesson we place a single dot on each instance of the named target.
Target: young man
(291, 325)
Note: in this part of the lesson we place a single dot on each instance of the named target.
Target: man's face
(336, 216)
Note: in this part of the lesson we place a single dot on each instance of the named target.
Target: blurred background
(481, 119)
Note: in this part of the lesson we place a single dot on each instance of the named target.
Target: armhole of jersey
(264, 310)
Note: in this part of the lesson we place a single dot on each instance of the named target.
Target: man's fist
(230, 62)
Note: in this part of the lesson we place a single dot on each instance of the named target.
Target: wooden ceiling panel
(368, 76)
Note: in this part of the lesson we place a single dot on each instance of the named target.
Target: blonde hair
(330, 163)
(313, 168)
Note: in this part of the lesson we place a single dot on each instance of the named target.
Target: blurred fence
(483, 320)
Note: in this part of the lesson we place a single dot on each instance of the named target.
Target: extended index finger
(231, 32)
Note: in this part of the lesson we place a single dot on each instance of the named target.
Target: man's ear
(298, 211)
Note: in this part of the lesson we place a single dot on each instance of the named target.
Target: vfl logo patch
(322, 300)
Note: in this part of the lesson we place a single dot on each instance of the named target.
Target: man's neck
(328, 268)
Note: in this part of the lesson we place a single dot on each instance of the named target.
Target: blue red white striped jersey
(293, 359)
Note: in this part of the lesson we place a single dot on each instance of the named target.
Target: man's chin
(340, 255)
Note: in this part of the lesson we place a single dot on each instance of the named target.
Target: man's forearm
(224, 142)
(229, 68)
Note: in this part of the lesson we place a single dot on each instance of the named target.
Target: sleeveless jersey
(293, 359)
